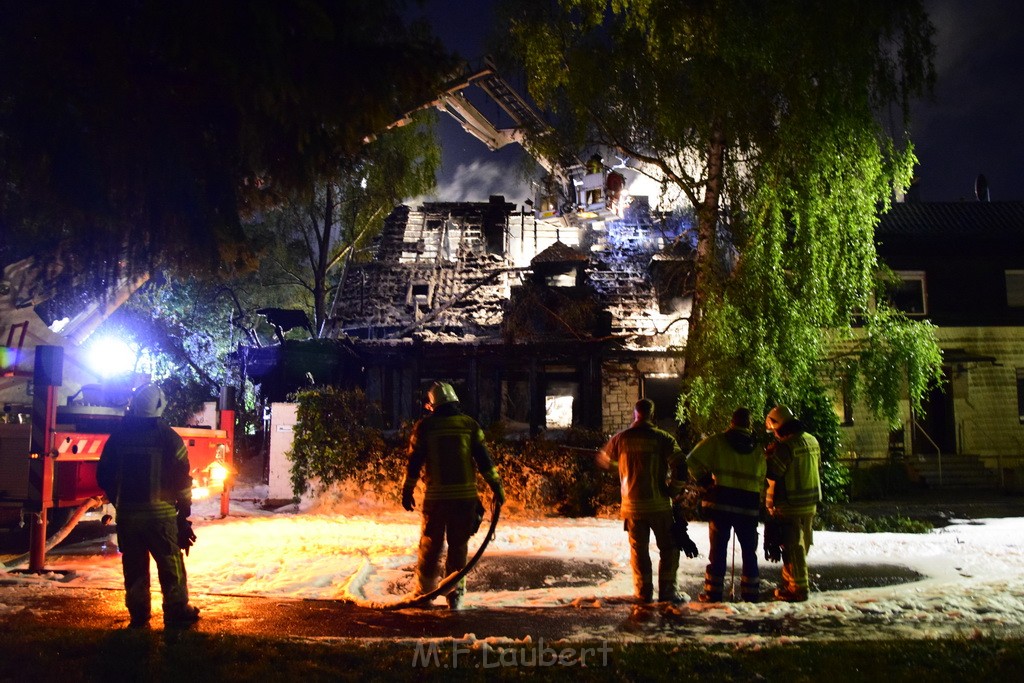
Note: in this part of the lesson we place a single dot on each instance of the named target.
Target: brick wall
(622, 382)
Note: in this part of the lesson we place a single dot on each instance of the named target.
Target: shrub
(543, 476)
(817, 413)
(879, 481)
(336, 443)
(334, 438)
(838, 518)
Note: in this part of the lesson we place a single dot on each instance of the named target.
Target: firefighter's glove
(772, 541)
(499, 494)
(687, 545)
(407, 501)
(680, 535)
(186, 537)
(478, 517)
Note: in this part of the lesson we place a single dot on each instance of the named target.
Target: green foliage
(308, 240)
(768, 119)
(183, 331)
(336, 437)
(894, 356)
(838, 518)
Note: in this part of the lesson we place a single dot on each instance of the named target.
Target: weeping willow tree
(783, 125)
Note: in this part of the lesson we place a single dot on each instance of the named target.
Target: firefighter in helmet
(447, 447)
(731, 467)
(144, 472)
(794, 491)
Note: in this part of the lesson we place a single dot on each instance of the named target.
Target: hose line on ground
(60, 534)
(448, 583)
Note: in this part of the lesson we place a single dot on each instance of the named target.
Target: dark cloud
(973, 124)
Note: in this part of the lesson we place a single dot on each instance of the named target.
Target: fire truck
(48, 462)
(57, 415)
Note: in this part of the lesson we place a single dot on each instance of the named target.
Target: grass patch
(839, 518)
(68, 655)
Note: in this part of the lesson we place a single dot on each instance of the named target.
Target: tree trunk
(706, 261)
(322, 260)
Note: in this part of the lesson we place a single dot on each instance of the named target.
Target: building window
(563, 279)
(515, 403)
(558, 404)
(664, 390)
(1015, 288)
(910, 295)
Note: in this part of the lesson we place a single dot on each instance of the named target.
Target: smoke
(477, 181)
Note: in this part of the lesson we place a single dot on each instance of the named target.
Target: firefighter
(144, 472)
(652, 470)
(445, 445)
(731, 468)
(794, 490)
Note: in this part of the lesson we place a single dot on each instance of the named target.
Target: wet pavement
(27, 603)
(49, 603)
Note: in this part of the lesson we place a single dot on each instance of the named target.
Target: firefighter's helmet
(778, 416)
(147, 401)
(441, 393)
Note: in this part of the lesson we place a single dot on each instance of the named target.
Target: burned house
(540, 324)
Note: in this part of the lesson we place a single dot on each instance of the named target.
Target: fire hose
(447, 584)
(60, 534)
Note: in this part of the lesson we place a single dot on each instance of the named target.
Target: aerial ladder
(570, 191)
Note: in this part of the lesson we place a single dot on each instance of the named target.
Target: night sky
(973, 124)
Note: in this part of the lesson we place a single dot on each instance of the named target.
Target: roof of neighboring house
(953, 218)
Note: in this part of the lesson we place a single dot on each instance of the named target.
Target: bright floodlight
(110, 357)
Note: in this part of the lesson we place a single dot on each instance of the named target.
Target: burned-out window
(1015, 288)
(910, 293)
(515, 401)
(664, 391)
(559, 401)
(566, 278)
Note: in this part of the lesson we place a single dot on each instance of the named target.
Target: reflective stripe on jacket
(448, 448)
(651, 468)
(794, 487)
(737, 468)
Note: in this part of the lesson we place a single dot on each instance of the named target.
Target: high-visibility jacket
(737, 469)
(144, 469)
(651, 466)
(448, 447)
(794, 484)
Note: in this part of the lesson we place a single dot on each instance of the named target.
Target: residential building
(960, 266)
